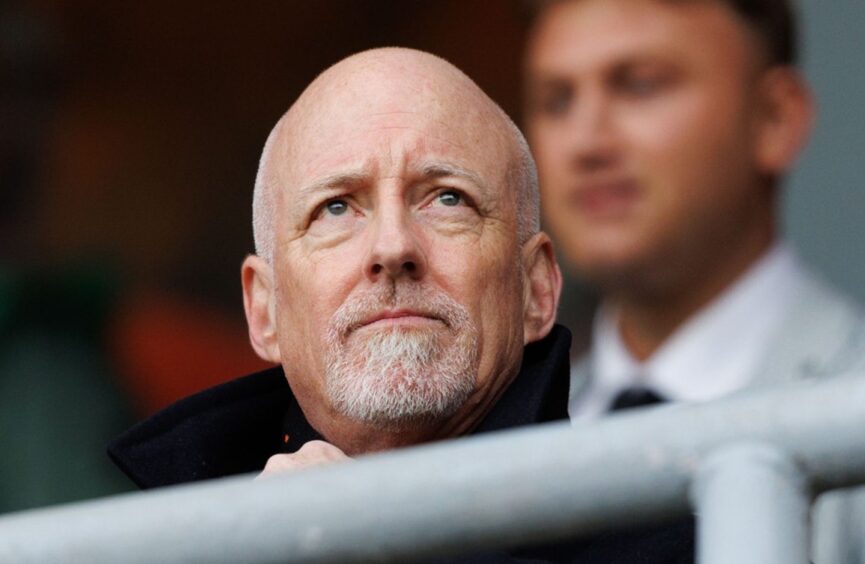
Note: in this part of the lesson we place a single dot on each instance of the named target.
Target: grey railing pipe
(531, 484)
(753, 503)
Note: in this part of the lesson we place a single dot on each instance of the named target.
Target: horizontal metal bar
(537, 483)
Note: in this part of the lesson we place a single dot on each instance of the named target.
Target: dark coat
(235, 427)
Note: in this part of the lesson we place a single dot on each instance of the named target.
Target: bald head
(398, 277)
(381, 82)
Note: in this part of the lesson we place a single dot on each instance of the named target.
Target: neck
(648, 317)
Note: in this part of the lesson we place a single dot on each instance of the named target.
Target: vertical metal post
(752, 505)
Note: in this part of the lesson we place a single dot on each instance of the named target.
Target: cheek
(695, 164)
(502, 298)
(686, 146)
(309, 293)
(479, 275)
(668, 133)
(696, 123)
(501, 342)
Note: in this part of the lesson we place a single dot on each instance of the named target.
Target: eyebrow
(440, 169)
(427, 170)
(333, 181)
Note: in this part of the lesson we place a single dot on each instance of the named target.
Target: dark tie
(635, 396)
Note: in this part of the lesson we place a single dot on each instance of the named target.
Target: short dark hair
(774, 22)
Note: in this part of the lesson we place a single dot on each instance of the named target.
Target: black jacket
(235, 427)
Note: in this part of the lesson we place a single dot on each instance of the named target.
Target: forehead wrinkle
(393, 112)
(332, 181)
(427, 170)
(439, 169)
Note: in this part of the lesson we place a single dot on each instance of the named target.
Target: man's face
(641, 117)
(396, 265)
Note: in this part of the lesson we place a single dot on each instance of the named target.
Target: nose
(590, 136)
(395, 250)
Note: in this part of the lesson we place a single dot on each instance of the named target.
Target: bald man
(400, 281)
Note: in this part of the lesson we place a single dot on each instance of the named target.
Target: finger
(313, 453)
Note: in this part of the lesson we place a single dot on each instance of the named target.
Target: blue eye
(450, 198)
(336, 207)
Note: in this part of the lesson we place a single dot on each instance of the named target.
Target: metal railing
(749, 466)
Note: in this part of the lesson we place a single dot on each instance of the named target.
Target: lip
(398, 317)
(605, 199)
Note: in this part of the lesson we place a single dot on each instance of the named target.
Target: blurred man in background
(662, 131)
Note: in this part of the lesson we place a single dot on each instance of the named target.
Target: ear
(786, 115)
(543, 286)
(259, 302)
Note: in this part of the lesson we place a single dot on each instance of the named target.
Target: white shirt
(714, 353)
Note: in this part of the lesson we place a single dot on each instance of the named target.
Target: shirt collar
(715, 352)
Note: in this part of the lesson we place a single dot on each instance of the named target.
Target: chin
(400, 374)
(608, 259)
(612, 268)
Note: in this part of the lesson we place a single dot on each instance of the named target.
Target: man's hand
(313, 453)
